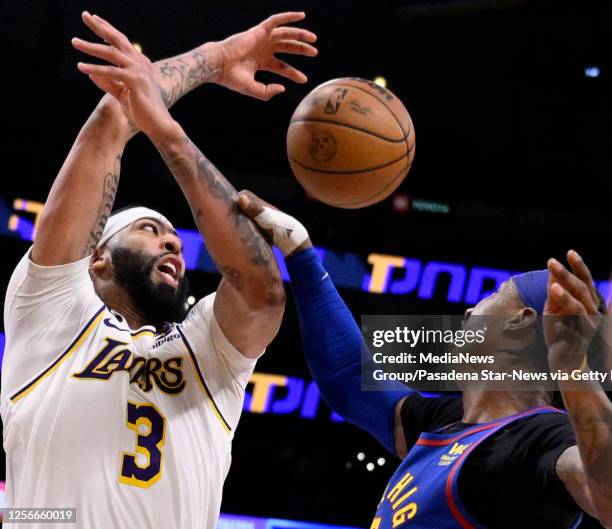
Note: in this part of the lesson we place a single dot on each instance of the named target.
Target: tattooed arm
(83, 193)
(232, 62)
(82, 196)
(250, 298)
(181, 74)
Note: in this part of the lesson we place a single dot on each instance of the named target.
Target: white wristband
(287, 232)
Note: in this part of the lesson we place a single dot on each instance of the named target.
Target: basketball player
(493, 459)
(111, 403)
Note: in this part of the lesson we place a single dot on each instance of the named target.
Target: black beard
(159, 302)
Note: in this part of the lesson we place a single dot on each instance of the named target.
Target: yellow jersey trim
(78, 341)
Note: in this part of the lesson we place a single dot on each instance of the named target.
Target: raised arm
(585, 469)
(83, 193)
(250, 299)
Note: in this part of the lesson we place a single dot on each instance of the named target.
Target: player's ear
(521, 320)
(100, 262)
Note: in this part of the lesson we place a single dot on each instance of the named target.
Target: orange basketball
(350, 142)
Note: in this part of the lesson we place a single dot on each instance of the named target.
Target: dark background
(510, 133)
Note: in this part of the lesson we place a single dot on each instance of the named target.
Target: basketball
(350, 142)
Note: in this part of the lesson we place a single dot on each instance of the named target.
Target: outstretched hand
(129, 78)
(571, 313)
(246, 53)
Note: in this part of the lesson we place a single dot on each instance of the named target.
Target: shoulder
(37, 295)
(201, 312)
(526, 451)
(514, 470)
(206, 338)
(46, 308)
(523, 445)
(31, 282)
(200, 325)
(539, 433)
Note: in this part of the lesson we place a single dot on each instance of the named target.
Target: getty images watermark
(452, 353)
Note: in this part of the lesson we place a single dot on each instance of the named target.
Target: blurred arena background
(511, 105)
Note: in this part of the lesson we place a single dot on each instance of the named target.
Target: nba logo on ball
(350, 143)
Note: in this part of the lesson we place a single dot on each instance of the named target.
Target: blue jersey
(422, 494)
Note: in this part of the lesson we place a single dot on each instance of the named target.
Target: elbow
(108, 109)
(265, 293)
(341, 395)
(268, 288)
(276, 295)
(107, 119)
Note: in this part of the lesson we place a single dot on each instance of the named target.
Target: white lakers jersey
(133, 428)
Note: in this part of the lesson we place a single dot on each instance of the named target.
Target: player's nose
(171, 243)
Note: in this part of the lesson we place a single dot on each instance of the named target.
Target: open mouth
(169, 273)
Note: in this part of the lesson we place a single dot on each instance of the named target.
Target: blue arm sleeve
(333, 346)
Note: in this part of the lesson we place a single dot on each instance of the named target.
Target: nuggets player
(112, 403)
(496, 459)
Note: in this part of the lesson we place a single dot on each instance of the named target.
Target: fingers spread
(295, 47)
(282, 18)
(285, 70)
(572, 284)
(289, 33)
(101, 51)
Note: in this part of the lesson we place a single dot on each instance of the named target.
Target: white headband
(124, 218)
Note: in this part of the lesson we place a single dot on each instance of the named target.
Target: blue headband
(532, 288)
